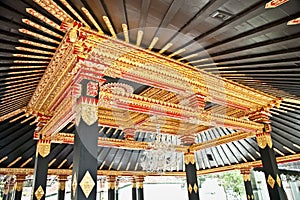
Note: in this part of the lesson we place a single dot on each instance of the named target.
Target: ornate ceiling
(240, 41)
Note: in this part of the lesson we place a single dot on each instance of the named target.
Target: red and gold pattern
(54, 9)
(42, 17)
(275, 3)
(294, 21)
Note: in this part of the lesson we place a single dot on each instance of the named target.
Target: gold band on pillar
(44, 147)
(246, 174)
(189, 158)
(19, 182)
(62, 182)
(264, 139)
(133, 182)
(111, 182)
(139, 182)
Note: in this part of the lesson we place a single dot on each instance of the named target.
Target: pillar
(191, 176)
(61, 186)
(11, 188)
(19, 186)
(133, 188)
(117, 189)
(5, 189)
(140, 187)
(247, 183)
(41, 169)
(101, 188)
(84, 174)
(265, 144)
(111, 181)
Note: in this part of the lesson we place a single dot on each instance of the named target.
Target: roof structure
(250, 46)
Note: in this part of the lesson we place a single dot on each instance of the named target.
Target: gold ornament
(246, 177)
(87, 184)
(111, 185)
(263, 140)
(278, 180)
(62, 185)
(195, 188)
(189, 158)
(271, 181)
(89, 113)
(190, 188)
(44, 147)
(139, 185)
(39, 193)
(74, 184)
(19, 186)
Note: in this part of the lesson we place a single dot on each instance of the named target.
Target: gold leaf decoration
(44, 147)
(195, 188)
(271, 181)
(189, 158)
(190, 188)
(39, 193)
(87, 184)
(278, 180)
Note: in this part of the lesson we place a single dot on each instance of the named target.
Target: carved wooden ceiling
(240, 41)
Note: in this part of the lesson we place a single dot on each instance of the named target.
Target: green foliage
(230, 180)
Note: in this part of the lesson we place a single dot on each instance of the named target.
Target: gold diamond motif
(278, 180)
(271, 181)
(87, 184)
(74, 184)
(39, 193)
(195, 188)
(190, 188)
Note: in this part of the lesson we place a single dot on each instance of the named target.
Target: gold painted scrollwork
(44, 147)
(189, 158)
(263, 140)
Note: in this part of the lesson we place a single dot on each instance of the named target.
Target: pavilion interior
(241, 42)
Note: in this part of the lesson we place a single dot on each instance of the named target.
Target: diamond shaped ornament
(190, 188)
(271, 181)
(39, 193)
(74, 184)
(87, 184)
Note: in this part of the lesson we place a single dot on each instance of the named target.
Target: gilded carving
(195, 188)
(88, 111)
(111, 185)
(44, 147)
(246, 177)
(87, 184)
(271, 181)
(19, 186)
(189, 158)
(190, 188)
(74, 184)
(278, 180)
(39, 193)
(139, 185)
(263, 140)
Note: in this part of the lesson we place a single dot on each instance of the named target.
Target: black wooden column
(265, 144)
(117, 189)
(140, 187)
(41, 169)
(5, 190)
(191, 176)
(101, 187)
(11, 189)
(133, 188)
(61, 186)
(247, 183)
(19, 186)
(84, 176)
(111, 185)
